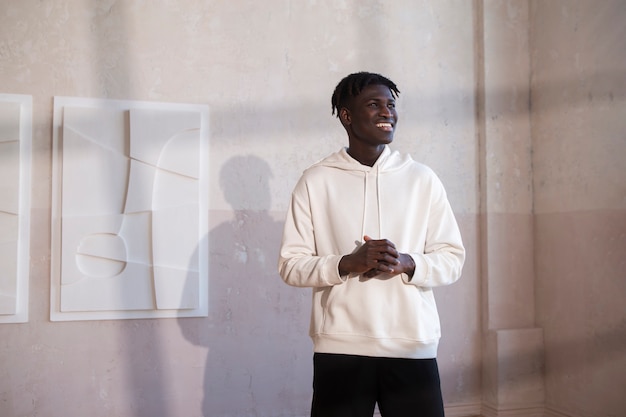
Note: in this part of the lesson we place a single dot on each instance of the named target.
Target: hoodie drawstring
(366, 175)
(380, 226)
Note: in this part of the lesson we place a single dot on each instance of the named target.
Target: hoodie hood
(387, 161)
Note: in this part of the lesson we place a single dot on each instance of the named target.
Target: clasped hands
(374, 257)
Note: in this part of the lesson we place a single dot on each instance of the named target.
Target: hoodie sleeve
(298, 264)
(444, 254)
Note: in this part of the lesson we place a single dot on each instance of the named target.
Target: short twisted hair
(352, 85)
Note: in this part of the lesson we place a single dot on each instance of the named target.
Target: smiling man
(372, 233)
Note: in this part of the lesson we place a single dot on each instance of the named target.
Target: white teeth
(383, 125)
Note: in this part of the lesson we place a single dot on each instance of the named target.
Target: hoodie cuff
(331, 271)
(420, 275)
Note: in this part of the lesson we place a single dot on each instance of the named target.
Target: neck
(366, 156)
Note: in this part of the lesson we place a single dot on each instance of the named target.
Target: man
(371, 232)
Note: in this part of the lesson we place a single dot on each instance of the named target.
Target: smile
(385, 126)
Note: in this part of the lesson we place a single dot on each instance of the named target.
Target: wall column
(512, 345)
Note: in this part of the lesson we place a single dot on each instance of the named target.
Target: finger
(387, 266)
(384, 254)
(382, 244)
(391, 260)
(371, 273)
(381, 269)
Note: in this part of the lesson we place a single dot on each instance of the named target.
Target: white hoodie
(337, 202)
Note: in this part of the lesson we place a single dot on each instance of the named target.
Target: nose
(386, 111)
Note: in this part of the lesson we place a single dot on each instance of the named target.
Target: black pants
(350, 386)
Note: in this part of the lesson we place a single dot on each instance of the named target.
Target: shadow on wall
(256, 329)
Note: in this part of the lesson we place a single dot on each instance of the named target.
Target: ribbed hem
(367, 346)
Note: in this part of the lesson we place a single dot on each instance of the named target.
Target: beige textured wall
(266, 69)
(466, 71)
(579, 162)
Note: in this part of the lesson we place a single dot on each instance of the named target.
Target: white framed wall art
(15, 189)
(129, 210)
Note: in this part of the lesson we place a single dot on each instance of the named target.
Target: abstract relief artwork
(15, 164)
(130, 206)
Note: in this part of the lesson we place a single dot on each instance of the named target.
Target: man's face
(371, 117)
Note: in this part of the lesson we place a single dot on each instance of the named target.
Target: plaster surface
(579, 102)
(267, 70)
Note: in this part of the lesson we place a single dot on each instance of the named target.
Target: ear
(344, 116)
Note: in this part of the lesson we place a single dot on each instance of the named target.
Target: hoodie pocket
(380, 308)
